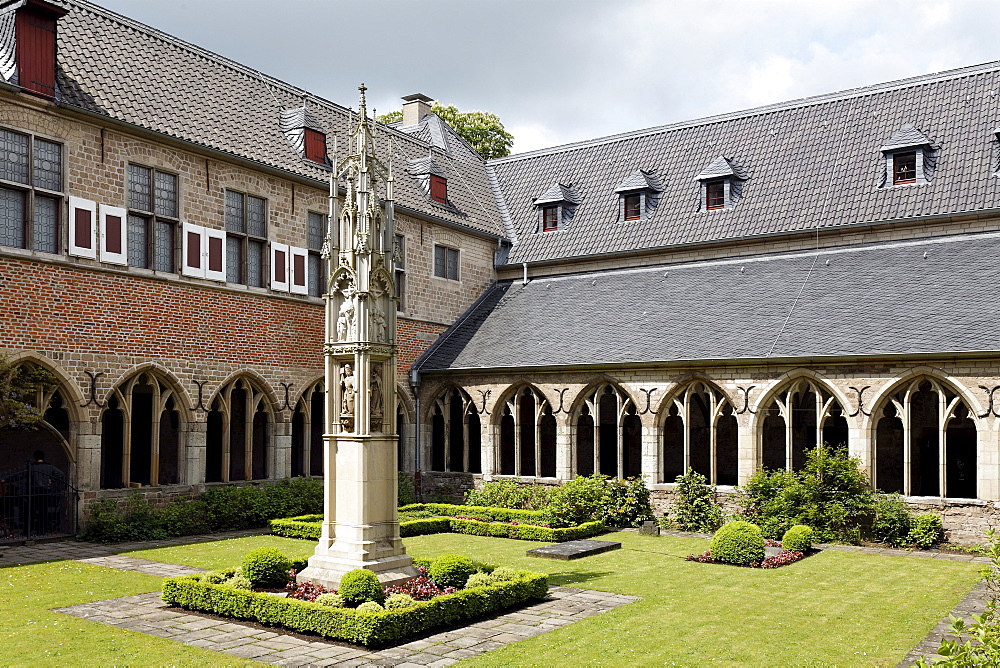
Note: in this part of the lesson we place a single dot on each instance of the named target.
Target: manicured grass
(32, 635)
(837, 608)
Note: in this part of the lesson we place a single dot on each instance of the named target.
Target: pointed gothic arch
(404, 430)
(799, 413)
(307, 431)
(698, 431)
(925, 439)
(527, 433)
(238, 439)
(455, 432)
(142, 438)
(608, 438)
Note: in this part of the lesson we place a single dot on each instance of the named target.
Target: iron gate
(36, 501)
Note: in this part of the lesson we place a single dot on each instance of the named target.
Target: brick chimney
(415, 107)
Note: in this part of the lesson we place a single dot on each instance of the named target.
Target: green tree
(19, 384)
(481, 129)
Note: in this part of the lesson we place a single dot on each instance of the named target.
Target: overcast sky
(558, 71)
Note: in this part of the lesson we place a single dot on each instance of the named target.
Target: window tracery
(699, 432)
(608, 434)
(455, 433)
(798, 419)
(238, 440)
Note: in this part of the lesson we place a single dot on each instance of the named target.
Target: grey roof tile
(881, 299)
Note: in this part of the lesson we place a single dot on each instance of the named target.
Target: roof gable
(558, 193)
(907, 136)
(638, 180)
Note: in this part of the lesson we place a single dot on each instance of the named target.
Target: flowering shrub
(778, 560)
(305, 591)
(420, 588)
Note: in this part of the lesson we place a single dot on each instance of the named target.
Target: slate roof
(811, 162)
(123, 69)
(923, 296)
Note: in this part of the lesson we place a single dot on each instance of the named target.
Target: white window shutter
(82, 227)
(114, 244)
(215, 254)
(193, 260)
(279, 267)
(298, 270)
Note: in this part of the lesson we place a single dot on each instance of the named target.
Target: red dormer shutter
(315, 146)
(36, 52)
(439, 189)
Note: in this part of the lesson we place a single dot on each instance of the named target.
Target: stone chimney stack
(414, 108)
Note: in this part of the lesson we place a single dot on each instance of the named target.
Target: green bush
(134, 519)
(398, 601)
(925, 530)
(266, 567)
(479, 580)
(489, 513)
(504, 573)
(890, 520)
(369, 607)
(331, 600)
(509, 494)
(696, 509)
(831, 494)
(451, 570)
(213, 578)
(627, 503)
(239, 581)
(579, 500)
(406, 491)
(798, 539)
(346, 624)
(359, 586)
(738, 542)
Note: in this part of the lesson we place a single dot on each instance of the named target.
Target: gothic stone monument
(360, 524)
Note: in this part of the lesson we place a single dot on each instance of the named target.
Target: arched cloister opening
(307, 432)
(709, 443)
(238, 434)
(527, 434)
(456, 441)
(608, 434)
(799, 417)
(926, 442)
(51, 435)
(141, 434)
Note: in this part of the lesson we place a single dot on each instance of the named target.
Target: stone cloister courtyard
(74, 603)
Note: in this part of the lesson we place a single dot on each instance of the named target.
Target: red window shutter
(280, 262)
(439, 189)
(315, 146)
(83, 221)
(114, 234)
(36, 52)
(193, 259)
(299, 270)
(215, 253)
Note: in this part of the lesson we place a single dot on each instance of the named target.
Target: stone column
(195, 452)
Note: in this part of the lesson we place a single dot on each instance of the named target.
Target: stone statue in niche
(348, 388)
(377, 401)
(378, 322)
(345, 321)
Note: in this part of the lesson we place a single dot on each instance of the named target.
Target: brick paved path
(146, 613)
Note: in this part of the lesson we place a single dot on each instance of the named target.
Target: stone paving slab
(133, 564)
(146, 613)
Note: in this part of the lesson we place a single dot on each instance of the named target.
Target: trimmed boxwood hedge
(369, 629)
(309, 526)
(488, 513)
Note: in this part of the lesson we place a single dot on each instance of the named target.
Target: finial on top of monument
(362, 110)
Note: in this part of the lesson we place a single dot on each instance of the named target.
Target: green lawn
(833, 608)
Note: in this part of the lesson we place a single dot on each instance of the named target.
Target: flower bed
(775, 561)
(473, 520)
(355, 625)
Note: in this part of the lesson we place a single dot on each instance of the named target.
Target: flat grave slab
(573, 549)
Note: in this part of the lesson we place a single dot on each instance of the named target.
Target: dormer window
(909, 158)
(633, 207)
(34, 46)
(439, 189)
(904, 167)
(715, 195)
(721, 184)
(315, 144)
(550, 218)
(556, 207)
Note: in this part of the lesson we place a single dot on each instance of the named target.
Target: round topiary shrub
(738, 542)
(399, 601)
(331, 600)
(370, 606)
(361, 586)
(798, 539)
(504, 574)
(479, 580)
(451, 570)
(266, 567)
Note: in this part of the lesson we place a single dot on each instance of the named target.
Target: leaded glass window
(152, 222)
(246, 238)
(29, 202)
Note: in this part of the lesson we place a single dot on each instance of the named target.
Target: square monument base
(327, 570)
